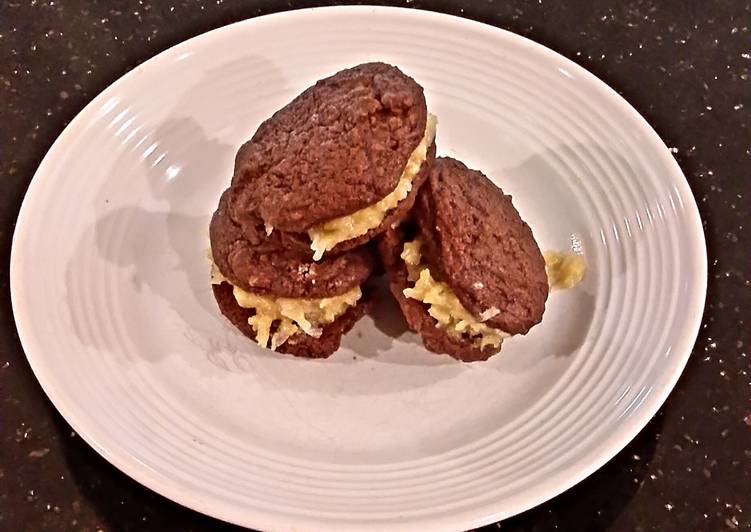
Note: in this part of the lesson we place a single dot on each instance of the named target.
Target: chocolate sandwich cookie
(339, 164)
(280, 301)
(470, 273)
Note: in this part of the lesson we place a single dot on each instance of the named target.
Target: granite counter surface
(684, 65)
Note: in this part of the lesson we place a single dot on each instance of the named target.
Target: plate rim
(485, 514)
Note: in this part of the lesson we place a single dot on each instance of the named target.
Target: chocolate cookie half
(339, 164)
(470, 273)
(282, 302)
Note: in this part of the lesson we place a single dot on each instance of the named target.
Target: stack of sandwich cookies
(340, 163)
(321, 178)
(343, 163)
(285, 302)
(468, 273)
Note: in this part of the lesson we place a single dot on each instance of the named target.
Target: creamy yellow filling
(444, 306)
(292, 315)
(565, 269)
(327, 235)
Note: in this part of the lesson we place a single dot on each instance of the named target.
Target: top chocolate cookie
(338, 147)
(479, 245)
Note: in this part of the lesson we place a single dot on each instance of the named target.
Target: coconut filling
(327, 235)
(444, 306)
(564, 269)
(288, 316)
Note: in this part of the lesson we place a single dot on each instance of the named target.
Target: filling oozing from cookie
(327, 235)
(444, 306)
(564, 269)
(287, 316)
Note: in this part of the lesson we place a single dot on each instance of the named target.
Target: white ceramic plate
(111, 295)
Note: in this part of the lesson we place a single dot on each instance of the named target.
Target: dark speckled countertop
(684, 65)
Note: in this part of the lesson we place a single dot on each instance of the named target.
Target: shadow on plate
(158, 255)
(159, 246)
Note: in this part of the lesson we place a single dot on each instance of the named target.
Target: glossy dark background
(684, 65)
